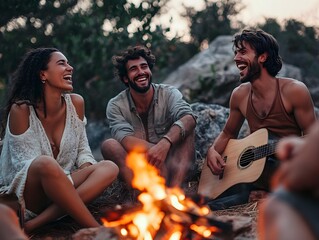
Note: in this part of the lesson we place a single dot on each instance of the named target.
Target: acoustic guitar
(245, 160)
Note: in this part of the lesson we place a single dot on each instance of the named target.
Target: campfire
(162, 213)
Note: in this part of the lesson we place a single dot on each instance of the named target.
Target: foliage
(90, 32)
(299, 44)
(213, 21)
(271, 26)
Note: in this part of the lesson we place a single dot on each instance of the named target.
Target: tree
(89, 33)
(297, 41)
(271, 26)
(212, 21)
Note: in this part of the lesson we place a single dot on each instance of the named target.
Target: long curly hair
(132, 52)
(26, 85)
(261, 42)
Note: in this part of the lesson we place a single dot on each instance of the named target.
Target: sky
(307, 11)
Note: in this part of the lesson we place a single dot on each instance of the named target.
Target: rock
(211, 120)
(99, 233)
(202, 76)
(240, 223)
(211, 75)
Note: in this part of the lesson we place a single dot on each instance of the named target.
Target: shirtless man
(281, 105)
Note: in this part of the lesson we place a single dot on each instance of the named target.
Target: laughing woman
(46, 159)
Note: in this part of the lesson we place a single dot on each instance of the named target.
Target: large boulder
(211, 119)
(211, 75)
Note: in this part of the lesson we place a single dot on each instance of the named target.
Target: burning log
(162, 213)
(170, 223)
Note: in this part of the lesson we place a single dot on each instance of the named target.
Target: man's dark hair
(131, 53)
(261, 42)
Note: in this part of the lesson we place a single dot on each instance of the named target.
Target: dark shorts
(263, 183)
(306, 206)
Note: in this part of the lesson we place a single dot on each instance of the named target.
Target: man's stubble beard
(253, 72)
(138, 89)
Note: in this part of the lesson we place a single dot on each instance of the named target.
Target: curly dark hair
(132, 52)
(25, 85)
(261, 42)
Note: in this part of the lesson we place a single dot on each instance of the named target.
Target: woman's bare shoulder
(78, 102)
(19, 118)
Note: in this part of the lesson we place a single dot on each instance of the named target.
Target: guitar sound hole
(246, 158)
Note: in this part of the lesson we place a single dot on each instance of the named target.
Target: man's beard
(138, 89)
(253, 73)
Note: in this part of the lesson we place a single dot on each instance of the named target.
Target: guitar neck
(265, 150)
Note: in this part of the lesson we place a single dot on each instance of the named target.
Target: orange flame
(144, 223)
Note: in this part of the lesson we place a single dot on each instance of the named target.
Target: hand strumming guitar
(214, 161)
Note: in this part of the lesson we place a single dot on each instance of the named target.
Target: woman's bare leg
(89, 182)
(47, 182)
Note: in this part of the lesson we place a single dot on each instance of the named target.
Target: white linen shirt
(19, 151)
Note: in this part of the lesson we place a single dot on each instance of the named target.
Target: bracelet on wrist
(180, 124)
(168, 139)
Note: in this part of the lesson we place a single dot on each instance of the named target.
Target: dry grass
(249, 210)
(248, 230)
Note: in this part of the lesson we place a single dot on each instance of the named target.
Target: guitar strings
(248, 159)
(262, 152)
